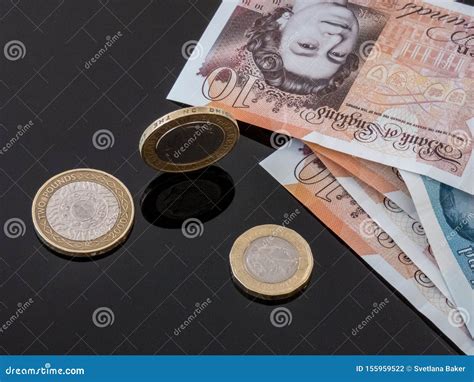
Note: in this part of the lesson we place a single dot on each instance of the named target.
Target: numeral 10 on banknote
(225, 89)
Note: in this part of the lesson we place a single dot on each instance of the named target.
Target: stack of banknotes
(378, 96)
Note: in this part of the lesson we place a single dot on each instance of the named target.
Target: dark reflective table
(163, 291)
(171, 199)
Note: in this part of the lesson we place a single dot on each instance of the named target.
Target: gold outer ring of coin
(270, 291)
(153, 133)
(113, 238)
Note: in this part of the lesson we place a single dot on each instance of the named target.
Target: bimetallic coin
(83, 212)
(271, 261)
(188, 139)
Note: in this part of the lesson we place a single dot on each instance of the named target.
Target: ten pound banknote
(407, 232)
(308, 180)
(385, 179)
(391, 81)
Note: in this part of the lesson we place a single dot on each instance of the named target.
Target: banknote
(388, 81)
(385, 179)
(405, 231)
(448, 217)
(460, 5)
(306, 178)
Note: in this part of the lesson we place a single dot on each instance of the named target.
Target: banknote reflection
(307, 48)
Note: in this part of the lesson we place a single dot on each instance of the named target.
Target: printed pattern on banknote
(385, 179)
(388, 81)
(448, 217)
(407, 232)
(306, 178)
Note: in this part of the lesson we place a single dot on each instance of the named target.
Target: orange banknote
(384, 179)
(391, 81)
(308, 180)
(407, 232)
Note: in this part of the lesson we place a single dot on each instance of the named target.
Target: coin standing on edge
(188, 139)
(83, 212)
(271, 261)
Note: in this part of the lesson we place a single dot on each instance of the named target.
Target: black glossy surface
(154, 280)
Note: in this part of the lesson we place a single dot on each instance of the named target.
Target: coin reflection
(171, 198)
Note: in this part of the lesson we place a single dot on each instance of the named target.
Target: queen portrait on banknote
(307, 48)
(301, 53)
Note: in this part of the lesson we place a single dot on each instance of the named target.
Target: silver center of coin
(271, 259)
(82, 211)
